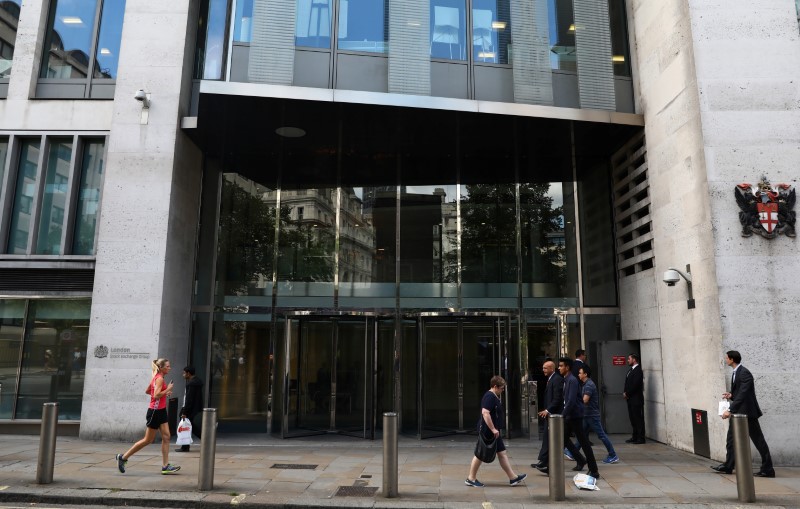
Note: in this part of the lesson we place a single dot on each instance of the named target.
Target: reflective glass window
(307, 246)
(619, 37)
(70, 39)
(89, 193)
(213, 52)
(246, 238)
(367, 246)
(54, 198)
(54, 358)
(108, 41)
(12, 321)
(22, 211)
(448, 29)
(243, 21)
(362, 25)
(313, 28)
(3, 155)
(491, 31)
(562, 36)
(9, 19)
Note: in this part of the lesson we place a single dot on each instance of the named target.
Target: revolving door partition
(457, 358)
(329, 375)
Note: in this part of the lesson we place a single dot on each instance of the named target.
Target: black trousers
(544, 452)
(576, 426)
(757, 436)
(636, 416)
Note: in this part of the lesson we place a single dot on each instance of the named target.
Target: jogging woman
(156, 419)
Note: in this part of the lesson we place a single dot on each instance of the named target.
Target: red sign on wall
(618, 360)
(698, 416)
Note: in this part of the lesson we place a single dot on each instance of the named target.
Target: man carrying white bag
(191, 410)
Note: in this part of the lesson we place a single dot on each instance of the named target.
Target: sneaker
(121, 463)
(612, 458)
(518, 479)
(475, 484)
(568, 455)
(169, 469)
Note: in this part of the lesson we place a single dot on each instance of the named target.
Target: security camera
(672, 277)
(141, 96)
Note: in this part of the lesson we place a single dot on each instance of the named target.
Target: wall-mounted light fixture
(673, 276)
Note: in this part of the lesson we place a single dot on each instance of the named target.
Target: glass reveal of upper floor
(569, 53)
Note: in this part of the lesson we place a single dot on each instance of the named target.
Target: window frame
(7, 191)
(62, 88)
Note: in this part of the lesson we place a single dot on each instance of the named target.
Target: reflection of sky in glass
(556, 192)
(73, 22)
(109, 39)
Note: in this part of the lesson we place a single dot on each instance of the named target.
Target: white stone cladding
(719, 85)
(145, 251)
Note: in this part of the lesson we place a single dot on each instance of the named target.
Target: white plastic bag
(585, 482)
(184, 432)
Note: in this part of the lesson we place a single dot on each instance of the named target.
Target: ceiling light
(72, 20)
(486, 54)
(105, 51)
(290, 132)
(571, 28)
(618, 58)
(499, 25)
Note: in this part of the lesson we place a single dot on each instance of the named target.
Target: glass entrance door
(329, 372)
(458, 357)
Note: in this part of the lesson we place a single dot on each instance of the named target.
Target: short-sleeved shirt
(592, 409)
(495, 407)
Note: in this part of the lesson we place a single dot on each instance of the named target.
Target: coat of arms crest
(101, 351)
(766, 209)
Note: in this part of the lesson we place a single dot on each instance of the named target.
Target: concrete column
(145, 253)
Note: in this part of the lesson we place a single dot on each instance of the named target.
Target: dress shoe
(181, 449)
(764, 474)
(542, 467)
(596, 475)
(539, 465)
(578, 467)
(722, 469)
(642, 441)
(545, 470)
(630, 441)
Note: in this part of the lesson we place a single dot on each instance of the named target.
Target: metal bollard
(745, 484)
(390, 455)
(47, 444)
(208, 450)
(555, 463)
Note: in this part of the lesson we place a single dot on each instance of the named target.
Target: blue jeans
(593, 423)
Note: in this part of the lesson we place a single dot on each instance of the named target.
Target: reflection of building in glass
(9, 18)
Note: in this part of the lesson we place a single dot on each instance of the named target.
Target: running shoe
(518, 479)
(568, 455)
(612, 458)
(475, 484)
(169, 469)
(121, 463)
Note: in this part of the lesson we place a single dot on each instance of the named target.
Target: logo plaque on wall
(766, 209)
(101, 351)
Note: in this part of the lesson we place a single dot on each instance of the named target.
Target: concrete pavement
(248, 472)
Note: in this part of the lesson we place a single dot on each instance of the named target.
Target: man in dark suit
(743, 401)
(634, 395)
(579, 362)
(553, 404)
(573, 419)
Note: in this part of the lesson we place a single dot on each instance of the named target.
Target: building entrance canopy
(395, 212)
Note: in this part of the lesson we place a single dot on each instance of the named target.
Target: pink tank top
(157, 404)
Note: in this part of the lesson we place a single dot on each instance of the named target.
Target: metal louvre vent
(293, 466)
(46, 280)
(632, 204)
(355, 491)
